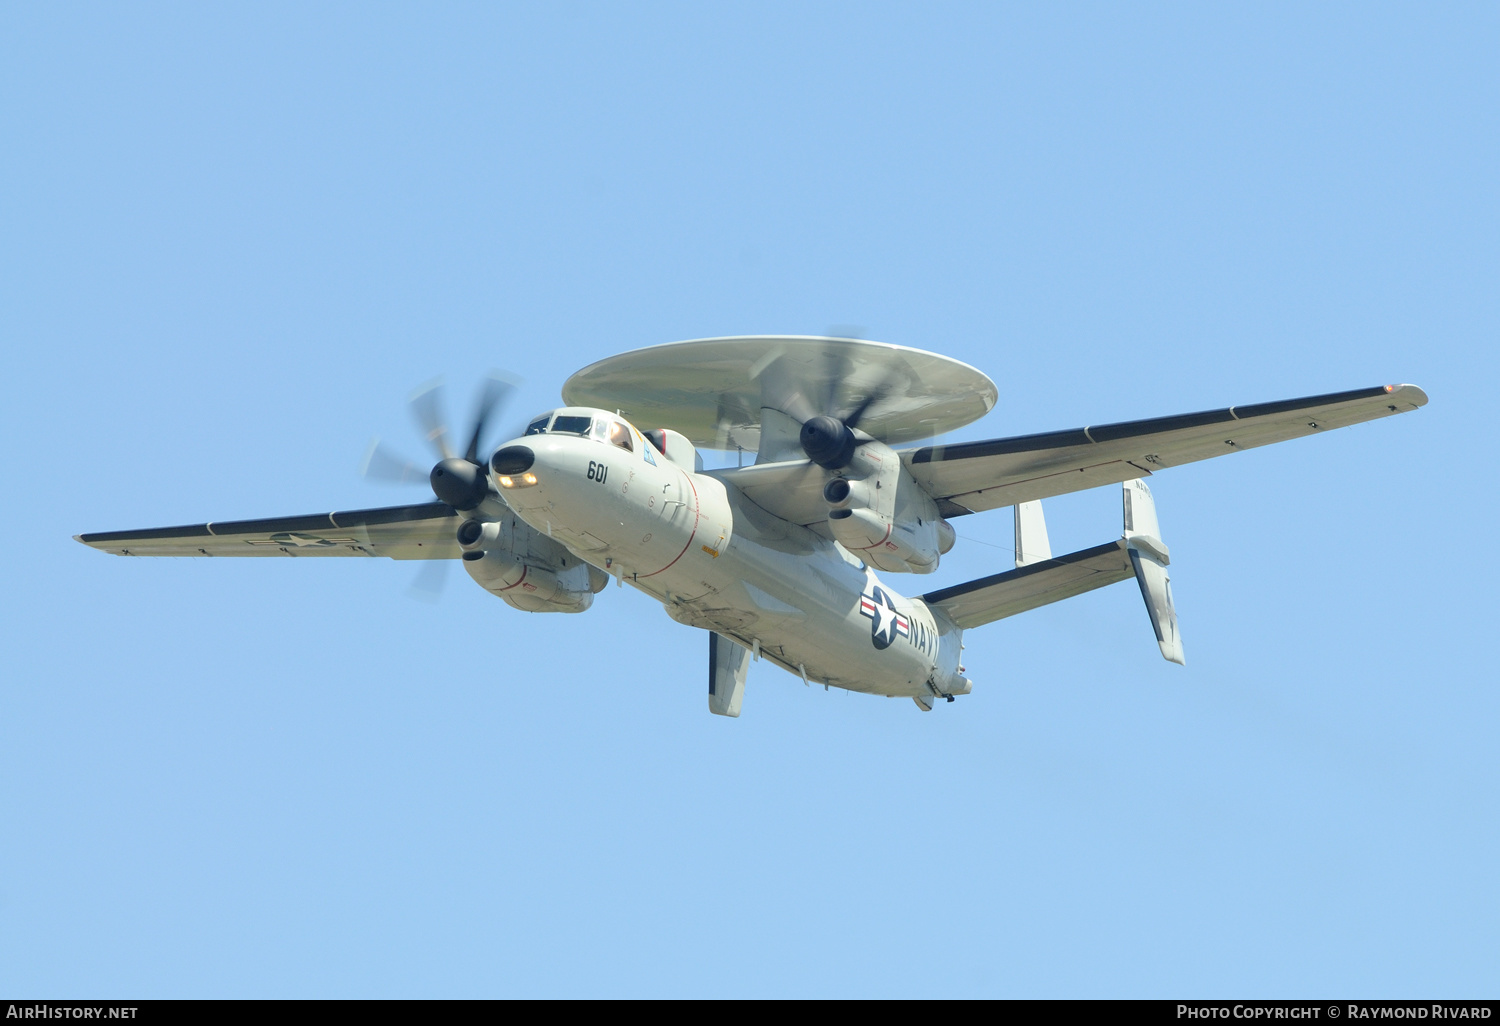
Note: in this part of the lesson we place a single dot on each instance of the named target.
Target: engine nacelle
(884, 544)
(878, 512)
(528, 570)
(842, 493)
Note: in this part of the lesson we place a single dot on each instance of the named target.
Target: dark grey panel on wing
(1015, 591)
(146, 534)
(1292, 405)
(1095, 434)
(311, 523)
(1021, 572)
(1004, 471)
(1000, 446)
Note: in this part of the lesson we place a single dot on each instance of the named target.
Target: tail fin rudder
(1032, 545)
(1150, 557)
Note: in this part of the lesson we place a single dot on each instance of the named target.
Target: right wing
(1036, 584)
(425, 531)
(973, 476)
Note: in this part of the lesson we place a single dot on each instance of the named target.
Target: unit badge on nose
(886, 625)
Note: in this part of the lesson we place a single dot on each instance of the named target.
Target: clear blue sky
(233, 239)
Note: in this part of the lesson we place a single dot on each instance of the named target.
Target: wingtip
(1408, 393)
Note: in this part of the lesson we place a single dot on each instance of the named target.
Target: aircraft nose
(512, 460)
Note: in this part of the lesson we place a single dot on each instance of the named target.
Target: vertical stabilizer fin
(727, 662)
(1031, 534)
(1150, 558)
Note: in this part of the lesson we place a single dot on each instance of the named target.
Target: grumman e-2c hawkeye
(778, 560)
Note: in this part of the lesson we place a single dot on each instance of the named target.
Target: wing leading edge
(424, 531)
(973, 476)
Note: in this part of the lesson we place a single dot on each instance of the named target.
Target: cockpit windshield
(569, 425)
(603, 429)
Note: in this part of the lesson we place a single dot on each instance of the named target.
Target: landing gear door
(728, 662)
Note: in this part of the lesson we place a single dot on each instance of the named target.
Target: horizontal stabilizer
(1036, 584)
(727, 663)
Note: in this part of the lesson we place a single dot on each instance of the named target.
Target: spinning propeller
(830, 441)
(828, 423)
(456, 480)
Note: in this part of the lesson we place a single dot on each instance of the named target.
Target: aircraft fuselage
(718, 561)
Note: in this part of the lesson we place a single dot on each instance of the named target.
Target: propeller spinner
(830, 441)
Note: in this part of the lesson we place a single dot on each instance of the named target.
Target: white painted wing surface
(1036, 584)
(424, 531)
(973, 476)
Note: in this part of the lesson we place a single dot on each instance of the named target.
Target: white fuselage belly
(718, 561)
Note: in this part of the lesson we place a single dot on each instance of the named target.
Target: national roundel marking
(886, 625)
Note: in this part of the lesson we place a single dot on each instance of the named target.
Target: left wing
(973, 476)
(424, 531)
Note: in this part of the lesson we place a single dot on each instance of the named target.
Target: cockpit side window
(539, 426)
(572, 425)
(619, 435)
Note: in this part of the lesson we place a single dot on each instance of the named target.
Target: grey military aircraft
(781, 559)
